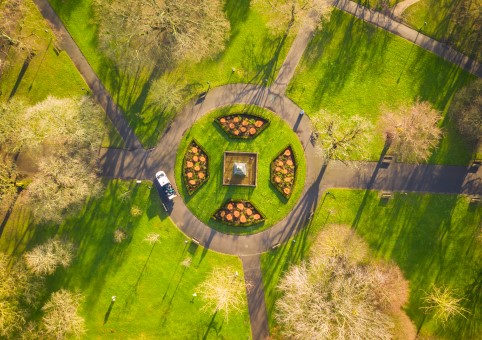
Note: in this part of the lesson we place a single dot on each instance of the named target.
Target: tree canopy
(161, 31)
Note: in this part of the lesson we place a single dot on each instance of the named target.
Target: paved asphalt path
(99, 92)
(137, 163)
(395, 27)
(255, 292)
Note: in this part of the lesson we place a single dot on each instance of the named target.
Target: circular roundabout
(240, 169)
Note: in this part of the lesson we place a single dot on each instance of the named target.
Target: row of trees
(61, 137)
(411, 131)
(22, 291)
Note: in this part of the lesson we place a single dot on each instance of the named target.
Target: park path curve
(99, 92)
(415, 36)
(401, 6)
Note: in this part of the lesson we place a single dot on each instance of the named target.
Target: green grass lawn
(48, 73)
(251, 51)
(440, 14)
(211, 196)
(434, 239)
(351, 67)
(153, 288)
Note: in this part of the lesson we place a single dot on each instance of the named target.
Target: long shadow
(212, 324)
(24, 68)
(107, 314)
(371, 182)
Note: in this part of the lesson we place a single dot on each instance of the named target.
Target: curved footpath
(140, 164)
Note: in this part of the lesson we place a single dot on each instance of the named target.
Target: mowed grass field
(253, 53)
(153, 283)
(353, 68)
(434, 239)
(45, 74)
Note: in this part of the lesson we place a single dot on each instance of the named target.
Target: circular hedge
(273, 140)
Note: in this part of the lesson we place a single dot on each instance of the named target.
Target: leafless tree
(285, 14)
(339, 293)
(47, 257)
(152, 238)
(166, 96)
(61, 317)
(19, 294)
(466, 112)
(413, 131)
(8, 178)
(444, 304)
(119, 235)
(340, 138)
(223, 291)
(63, 183)
(64, 135)
(138, 31)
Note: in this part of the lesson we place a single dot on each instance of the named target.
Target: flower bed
(283, 172)
(195, 167)
(242, 125)
(238, 213)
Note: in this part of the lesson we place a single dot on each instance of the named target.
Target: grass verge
(251, 51)
(434, 239)
(153, 283)
(351, 67)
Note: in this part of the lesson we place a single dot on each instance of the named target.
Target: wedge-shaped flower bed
(195, 167)
(238, 213)
(283, 172)
(242, 125)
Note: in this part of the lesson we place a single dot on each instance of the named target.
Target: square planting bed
(240, 168)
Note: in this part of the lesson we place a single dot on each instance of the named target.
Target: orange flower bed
(283, 172)
(238, 213)
(195, 169)
(242, 125)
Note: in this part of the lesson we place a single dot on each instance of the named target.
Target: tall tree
(47, 257)
(285, 14)
(64, 136)
(466, 112)
(443, 304)
(339, 138)
(61, 317)
(19, 295)
(412, 131)
(338, 293)
(223, 291)
(163, 31)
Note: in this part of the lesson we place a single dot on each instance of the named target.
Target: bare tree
(338, 137)
(285, 14)
(47, 257)
(119, 235)
(338, 293)
(63, 183)
(61, 316)
(8, 187)
(466, 112)
(152, 238)
(442, 302)
(413, 131)
(166, 96)
(64, 135)
(223, 291)
(161, 30)
(19, 295)
(11, 125)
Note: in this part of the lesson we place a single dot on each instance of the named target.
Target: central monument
(240, 168)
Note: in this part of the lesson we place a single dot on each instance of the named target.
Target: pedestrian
(302, 112)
